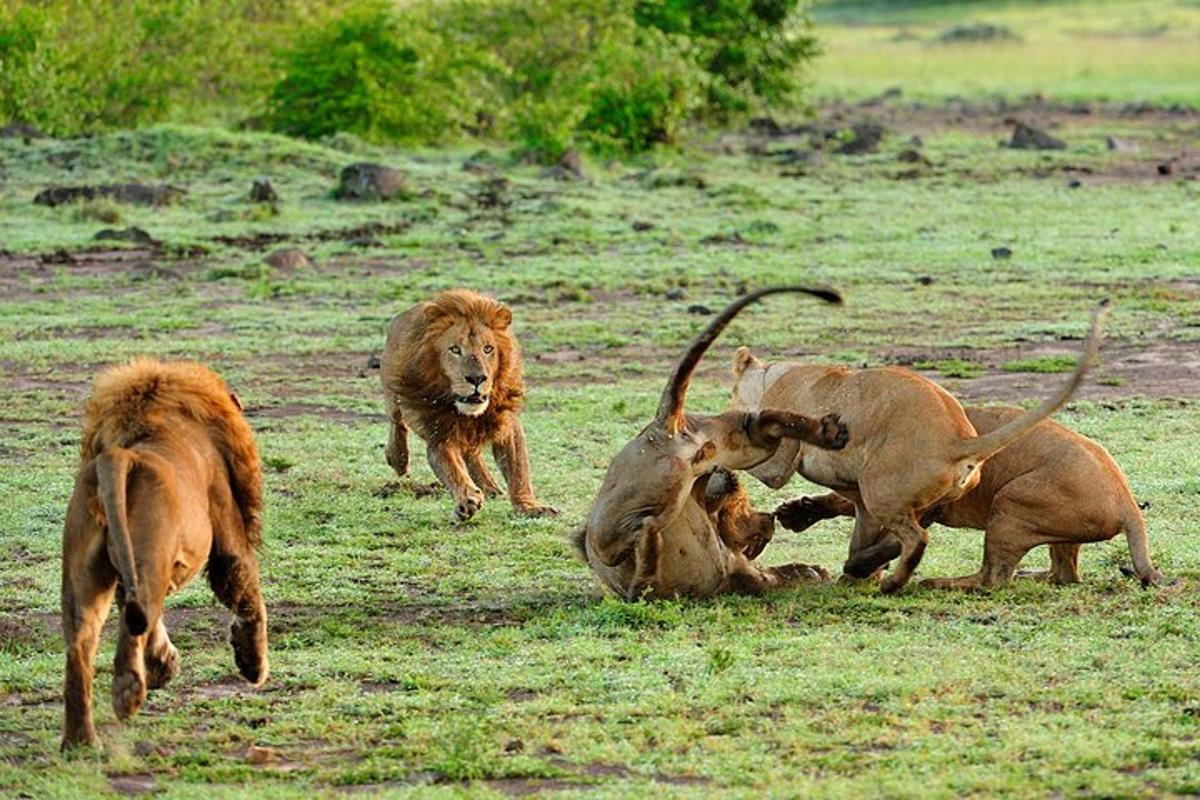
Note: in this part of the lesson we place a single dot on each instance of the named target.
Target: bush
(749, 49)
(366, 74)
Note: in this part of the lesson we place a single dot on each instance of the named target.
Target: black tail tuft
(135, 618)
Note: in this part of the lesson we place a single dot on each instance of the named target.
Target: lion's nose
(476, 380)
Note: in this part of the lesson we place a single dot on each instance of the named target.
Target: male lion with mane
(451, 371)
(169, 481)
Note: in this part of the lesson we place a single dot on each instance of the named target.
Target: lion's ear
(502, 317)
(237, 401)
(743, 360)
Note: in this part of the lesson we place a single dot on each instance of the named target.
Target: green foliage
(749, 50)
(365, 73)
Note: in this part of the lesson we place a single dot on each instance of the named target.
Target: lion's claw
(468, 507)
(834, 434)
(537, 510)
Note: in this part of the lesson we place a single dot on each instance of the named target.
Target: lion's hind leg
(88, 584)
(233, 576)
(162, 658)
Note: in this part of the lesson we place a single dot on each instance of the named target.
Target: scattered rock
(666, 179)
(725, 238)
(1166, 167)
(132, 785)
(147, 271)
(132, 193)
(1001, 253)
(796, 155)
(374, 362)
(263, 192)
(971, 32)
(675, 294)
(911, 155)
(1027, 137)
(766, 126)
(865, 137)
(925, 280)
(495, 193)
(262, 755)
(641, 225)
(130, 234)
(289, 258)
(19, 130)
(371, 182)
(1120, 145)
(916, 141)
(696, 308)
(1074, 183)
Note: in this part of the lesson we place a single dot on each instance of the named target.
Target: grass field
(413, 656)
(1146, 51)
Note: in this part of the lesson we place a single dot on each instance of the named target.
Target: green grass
(415, 657)
(1100, 50)
(1041, 364)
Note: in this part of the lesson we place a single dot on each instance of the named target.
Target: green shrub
(749, 50)
(366, 73)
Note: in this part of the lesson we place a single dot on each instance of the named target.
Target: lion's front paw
(834, 434)
(128, 694)
(468, 506)
(535, 509)
(800, 514)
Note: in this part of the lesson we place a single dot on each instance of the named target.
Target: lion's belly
(693, 560)
(827, 468)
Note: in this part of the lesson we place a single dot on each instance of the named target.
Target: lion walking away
(451, 372)
(169, 482)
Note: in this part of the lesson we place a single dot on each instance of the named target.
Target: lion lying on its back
(169, 482)
(451, 371)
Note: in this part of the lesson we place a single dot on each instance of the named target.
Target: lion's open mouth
(476, 399)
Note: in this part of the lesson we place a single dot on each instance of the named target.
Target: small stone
(1166, 168)
(696, 308)
(1074, 183)
(925, 280)
(374, 362)
(1001, 253)
(289, 258)
(263, 192)
(641, 225)
(367, 181)
(1027, 137)
(675, 294)
(1120, 145)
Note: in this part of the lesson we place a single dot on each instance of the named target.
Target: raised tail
(112, 475)
(986, 446)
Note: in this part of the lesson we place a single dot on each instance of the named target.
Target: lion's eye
(487, 348)
(456, 350)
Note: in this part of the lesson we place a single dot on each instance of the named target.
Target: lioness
(653, 529)
(1053, 486)
(451, 371)
(911, 445)
(169, 482)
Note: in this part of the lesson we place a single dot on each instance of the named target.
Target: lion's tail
(112, 475)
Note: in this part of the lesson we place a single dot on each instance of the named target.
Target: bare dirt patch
(1160, 369)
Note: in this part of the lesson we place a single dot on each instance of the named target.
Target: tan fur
(911, 445)
(655, 530)
(1053, 487)
(169, 482)
(451, 371)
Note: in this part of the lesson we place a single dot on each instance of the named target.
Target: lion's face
(468, 354)
(750, 381)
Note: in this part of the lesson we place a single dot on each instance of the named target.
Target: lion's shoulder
(141, 400)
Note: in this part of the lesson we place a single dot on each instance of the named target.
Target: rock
(642, 225)
(130, 234)
(971, 32)
(19, 130)
(696, 308)
(675, 294)
(374, 362)
(865, 138)
(925, 280)
(1001, 253)
(766, 126)
(1027, 137)
(132, 193)
(263, 192)
(371, 182)
(1120, 145)
(289, 258)
(1074, 183)
(1166, 168)
(911, 155)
